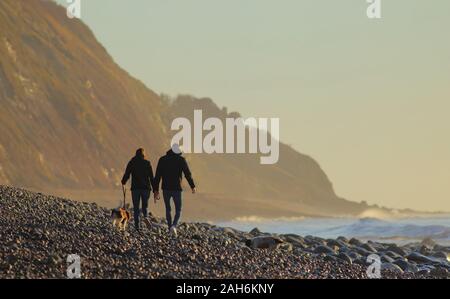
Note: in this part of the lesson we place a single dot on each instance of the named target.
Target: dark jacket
(170, 169)
(141, 174)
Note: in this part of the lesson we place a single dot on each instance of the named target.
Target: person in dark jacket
(170, 169)
(141, 172)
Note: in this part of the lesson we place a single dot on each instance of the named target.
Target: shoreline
(40, 231)
(258, 208)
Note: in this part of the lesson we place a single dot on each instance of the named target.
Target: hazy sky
(368, 99)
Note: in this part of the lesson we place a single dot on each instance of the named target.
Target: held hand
(156, 196)
(194, 190)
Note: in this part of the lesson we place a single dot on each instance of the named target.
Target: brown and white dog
(120, 217)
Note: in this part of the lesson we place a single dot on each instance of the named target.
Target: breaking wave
(398, 230)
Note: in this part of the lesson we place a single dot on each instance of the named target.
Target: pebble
(44, 230)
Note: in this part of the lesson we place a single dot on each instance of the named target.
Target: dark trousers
(177, 199)
(138, 196)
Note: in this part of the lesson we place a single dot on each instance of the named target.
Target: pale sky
(368, 99)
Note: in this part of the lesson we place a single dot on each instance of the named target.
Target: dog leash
(124, 190)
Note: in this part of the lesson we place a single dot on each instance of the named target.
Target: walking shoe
(148, 223)
(173, 231)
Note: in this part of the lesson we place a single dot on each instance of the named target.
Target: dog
(120, 217)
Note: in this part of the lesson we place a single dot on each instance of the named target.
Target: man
(142, 180)
(171, 168)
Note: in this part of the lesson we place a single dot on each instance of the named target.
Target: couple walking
(170, 170)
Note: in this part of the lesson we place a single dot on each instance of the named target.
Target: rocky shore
(38, 232)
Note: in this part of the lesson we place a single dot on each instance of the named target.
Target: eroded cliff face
(70, 117)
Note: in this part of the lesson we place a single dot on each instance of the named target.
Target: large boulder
(264, 242)
(355, 242)
(387, 259)
(362, 251)
(354, 255)
(406, 266)
(345, 257)
(393, 255)
(368, 247)
(419, 258)
(442, 255)
(255, 232)
(295, 240)
(394, 248)
(336, 243)
(324, 249)
(342, 239)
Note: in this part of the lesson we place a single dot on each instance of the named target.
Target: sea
(400, 231)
